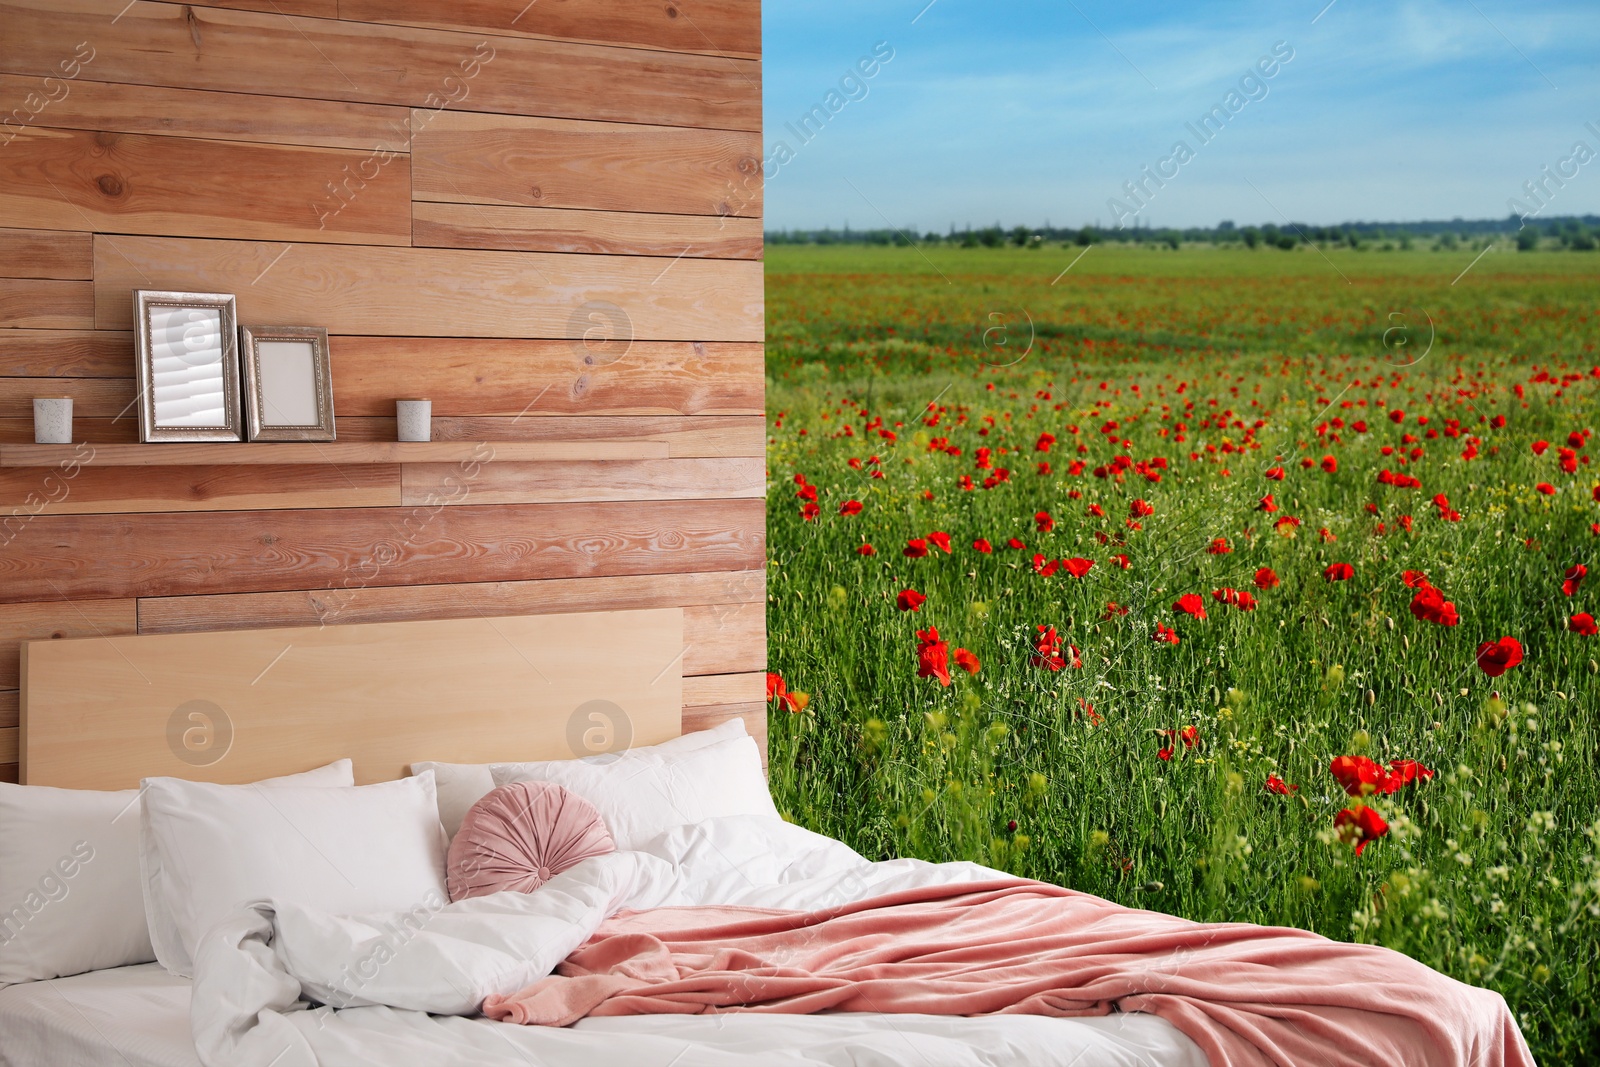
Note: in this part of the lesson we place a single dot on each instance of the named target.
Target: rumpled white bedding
(404, 984)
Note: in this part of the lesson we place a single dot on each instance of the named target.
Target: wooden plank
(47, 304)
(327, 9)
(725, 638)
(321, 59)
(45, 253)
(135, 183)
(348, 550)
(685, 437)
(92, 398)
(461, 454)
(66, 353)
(613, 233)
(754, 716)
(484, 376)
(99, 713)
(153, 109)
(316, 607)
(8, 744)
(448, 293)
(8, 707)
(18, 430)
(96, 490)
(9, 772)
(551, 483)
(57, 620)
(719, 27)
(467, 157)
(712, 689)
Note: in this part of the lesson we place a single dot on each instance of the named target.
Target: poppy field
(1242, 585)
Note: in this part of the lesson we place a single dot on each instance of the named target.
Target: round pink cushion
(520, 836)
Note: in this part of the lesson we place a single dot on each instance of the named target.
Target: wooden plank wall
(544, 217)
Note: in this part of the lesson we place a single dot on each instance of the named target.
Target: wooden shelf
(230, 453)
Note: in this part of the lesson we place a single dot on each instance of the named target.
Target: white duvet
(401, 988)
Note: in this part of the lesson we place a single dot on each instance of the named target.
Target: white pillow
(70, 880)
(462, 785)
(642, 793)
(346, 850)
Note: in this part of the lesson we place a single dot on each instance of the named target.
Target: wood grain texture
(47, 304)
(92, 398)
(99, 714)
(327, 9)
(18, 430)
(9, 772)
(349, 550)
(720, 27)
(56, 620)
(314, 607)
(685, 437)
(466, 456)
(613, 233)
(725, 638)
(8, 707)
(486, 376)
(135, 183)
(8, 745)
(754, 716)
(66, 353)
(714, 689)
(466, 157)
(447, 293)
(552, 483)
(154, 109)
(96, 490)
(45, 253)
(268, 54)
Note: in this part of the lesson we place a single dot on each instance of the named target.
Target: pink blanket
(1245, 994)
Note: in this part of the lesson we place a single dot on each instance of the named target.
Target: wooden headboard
(101, 713)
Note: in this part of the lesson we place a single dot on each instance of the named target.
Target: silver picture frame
(188, 366)
(288, 383)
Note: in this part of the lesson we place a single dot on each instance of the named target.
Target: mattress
(139, 1017)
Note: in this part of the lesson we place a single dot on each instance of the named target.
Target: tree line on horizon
(1579, 233)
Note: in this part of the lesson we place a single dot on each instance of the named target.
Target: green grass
(1489, 872)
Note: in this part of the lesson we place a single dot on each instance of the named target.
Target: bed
(243, 706)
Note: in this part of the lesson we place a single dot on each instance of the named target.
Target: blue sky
(1030, 111)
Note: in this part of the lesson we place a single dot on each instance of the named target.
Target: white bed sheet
(139, 1017)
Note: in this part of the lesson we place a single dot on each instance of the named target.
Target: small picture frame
(187, 366)
(288, 383)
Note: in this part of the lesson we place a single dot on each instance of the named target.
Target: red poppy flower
(967, 661)
(1047, 651)
(1095, 511)
(1219, 547)
(1042, 567)
(807, 492)
(866, 550)
(1190, 735)
(778, 691)
(1497, 657)
(1077, 566)
(1043, 522)
(1540, 447)
(983, 546)
(1190, 604)
(1267, 504)
(1287, 526)
(1113, 609)
(1140, 509)
(1245, 602)
(1266, 578)
(1546, 488)
(910, 600)
(941, 540)
(1403, 772)
(1339, 572)
(1574, 578)
(1429, 605)
(1122, 561)
(1164, 755)
(850, 507)
(1358, 775)
(1360, 827)
(1277, 785)
(809, 512)
(915, 548)
(1225, 595)
(1583, 623)
(1275, 474)
(1415, 579)
(933, 656)
(1330, 465)
(1163, 634)
(1015, 543)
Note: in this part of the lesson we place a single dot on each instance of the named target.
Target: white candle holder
(414, 420)
(52, 420)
